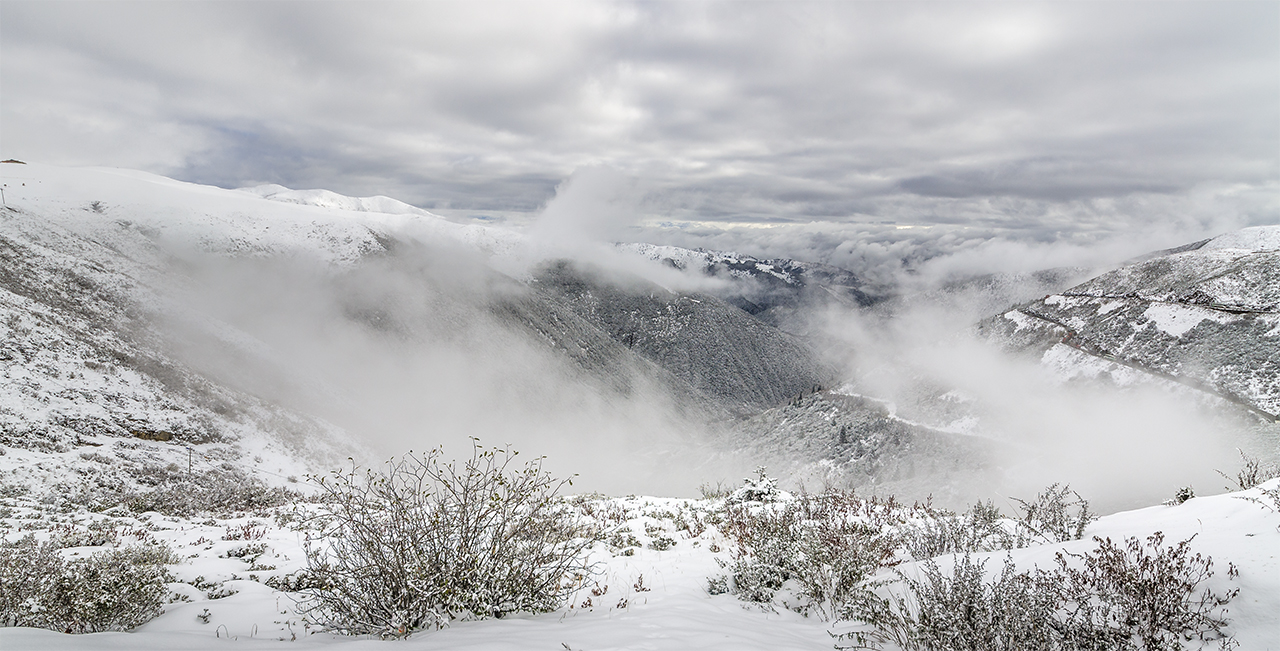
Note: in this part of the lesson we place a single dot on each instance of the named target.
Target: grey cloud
(1009, 115)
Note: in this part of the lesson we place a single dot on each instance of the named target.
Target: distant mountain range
(155, 316)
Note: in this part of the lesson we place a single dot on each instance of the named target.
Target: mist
(432, 342)
(416, 349)
(1120, 443)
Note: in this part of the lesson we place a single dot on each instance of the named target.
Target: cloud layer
(1037, 118)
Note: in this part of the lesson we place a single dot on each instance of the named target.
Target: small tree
(424, 542)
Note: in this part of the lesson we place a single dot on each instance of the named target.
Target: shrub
(828, 544)
(170, 492)
(1271, 493)
(1139, 596)
(962, 611)
(1252, 474)
(113, 590)
(761, 489)
(1181, 496)
(424, 542)
(216, 490)
(1058, 514)
(981, 528)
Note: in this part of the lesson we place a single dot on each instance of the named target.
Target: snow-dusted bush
(962, 611)
(826, 544)
(218, 490)
(761, 489)
(112, 590)
(427, 541)
(1253, 472)
(1181, 496)
(981, 528)
(1057, 514)
(1140, 596)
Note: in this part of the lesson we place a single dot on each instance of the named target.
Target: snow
(1110, 306)
(1019, 319)
(654, 599)
(266, 220)
(701, 260)
(1177, 320)
(1256, 239)
(327, 199)
(674, 612)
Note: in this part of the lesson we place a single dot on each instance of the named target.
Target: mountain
(1205, 315)
(781, 292)
(277, 332)
(175, 357)
(837, 437)
(738, 362)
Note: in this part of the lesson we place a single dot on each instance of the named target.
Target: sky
(778, 128)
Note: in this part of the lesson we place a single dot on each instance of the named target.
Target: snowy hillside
(1206, 315)
(176, 359)
(648, 588)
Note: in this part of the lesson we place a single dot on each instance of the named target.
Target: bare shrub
(1272, 494)
(112, 590)
(1057, 514)
(1140, 596)
(218, 490)
(962, 611)
(424, 542)
(828, 544)
(173, 492)
(981, 528)
(1252, 474)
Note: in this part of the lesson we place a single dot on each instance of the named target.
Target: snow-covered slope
(739, 363)
(1206, 315)
(836, 437)
(139, 307)
(89, 331)
(646, 595)
(328, 199)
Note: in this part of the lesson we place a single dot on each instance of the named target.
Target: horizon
(859, 135)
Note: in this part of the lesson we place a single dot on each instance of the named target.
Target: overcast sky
(1047, 120)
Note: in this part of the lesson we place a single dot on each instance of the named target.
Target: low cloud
(1119, 446)
(980, 236)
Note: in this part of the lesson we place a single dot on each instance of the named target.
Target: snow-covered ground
(645, 598)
